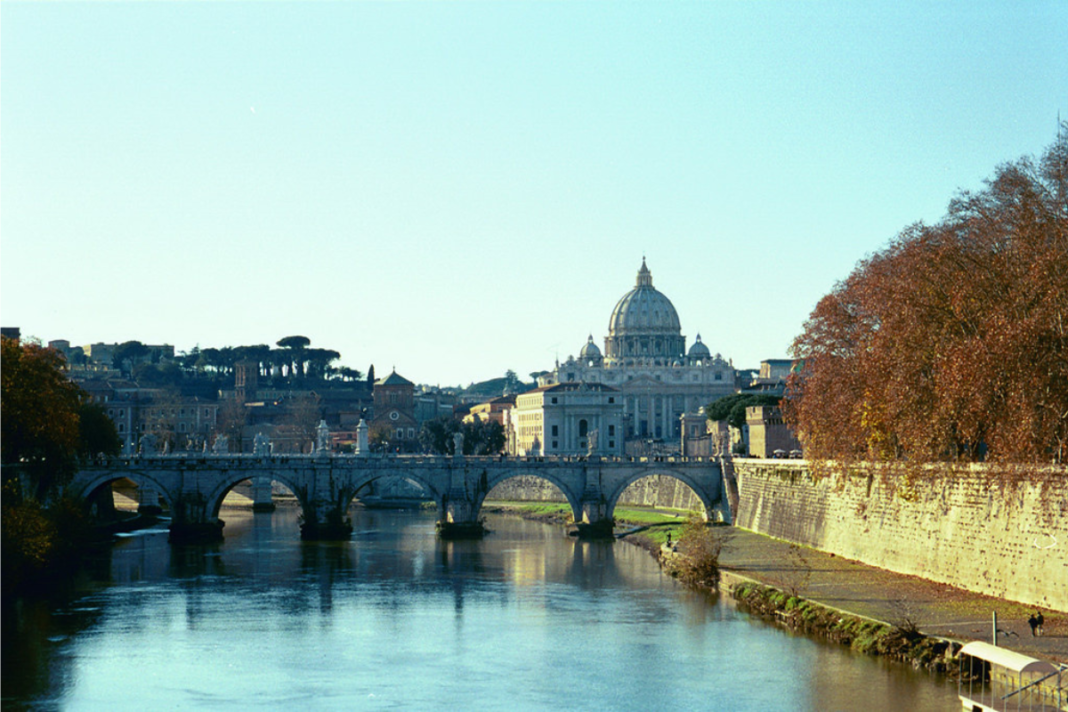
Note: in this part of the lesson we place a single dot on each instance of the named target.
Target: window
(583, 428)
(611, 399)
(411, 433)
(400, 433)
(181, 427)
(611, 443)
(122, 427)
(611, 431)
(555, 445)
(556, 430)
(719, 376)
(554, 400)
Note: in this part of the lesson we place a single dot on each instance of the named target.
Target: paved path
(885, 596)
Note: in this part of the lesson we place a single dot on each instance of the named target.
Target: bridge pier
(330, 528)
(595, 523)
(458, 511)
(148, 500)
(261, 495)
(191, 522)
(457, 518)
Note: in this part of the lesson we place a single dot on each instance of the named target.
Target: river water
(397, 619)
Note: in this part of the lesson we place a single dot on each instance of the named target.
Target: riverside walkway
(939, 610)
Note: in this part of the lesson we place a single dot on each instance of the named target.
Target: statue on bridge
(261, 445)
(592, 441)
(457, 444)
(147, 447)
(322, 438)
(221, 446)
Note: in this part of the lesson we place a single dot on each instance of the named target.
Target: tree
(39, 428)
(294, 347)
(435, 435)
(302, 415)
(319, 360)
(483, 437)
(96, 432)
(732, 408)
(129, 354)
(167, 374)
(233, 416)
(952, 343)
(349, 374)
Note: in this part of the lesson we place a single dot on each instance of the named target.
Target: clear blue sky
(461, 188)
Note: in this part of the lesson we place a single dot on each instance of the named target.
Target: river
(397, 619)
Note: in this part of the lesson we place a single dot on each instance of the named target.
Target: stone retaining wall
(970, 530)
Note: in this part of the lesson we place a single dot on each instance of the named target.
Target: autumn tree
(952, 343)
(46, 423)
(40, 413)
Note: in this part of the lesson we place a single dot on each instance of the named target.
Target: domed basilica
(645, 357)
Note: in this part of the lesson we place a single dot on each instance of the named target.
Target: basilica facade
(646, 359)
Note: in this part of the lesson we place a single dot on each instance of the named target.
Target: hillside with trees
(950, 345)
(291, 364)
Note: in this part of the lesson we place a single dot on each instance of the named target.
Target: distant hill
(496, 386)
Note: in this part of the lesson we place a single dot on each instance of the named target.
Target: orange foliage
(952, 343)
(40, 411)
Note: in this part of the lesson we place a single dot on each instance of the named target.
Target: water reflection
(397, 618)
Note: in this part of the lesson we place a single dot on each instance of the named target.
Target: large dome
(644, 311)
(644, 324)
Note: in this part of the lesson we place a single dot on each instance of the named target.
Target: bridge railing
(293, 458)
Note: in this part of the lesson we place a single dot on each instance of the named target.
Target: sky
(457, 189)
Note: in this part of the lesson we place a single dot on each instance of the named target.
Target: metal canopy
(1007, 658)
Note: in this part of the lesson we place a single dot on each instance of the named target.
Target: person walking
(1033, 622)
(1039, 620)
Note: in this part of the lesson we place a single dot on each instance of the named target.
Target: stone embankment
(997, 532)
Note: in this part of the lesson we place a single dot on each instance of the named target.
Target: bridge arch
(708, 499)
(366, 478)
(218, 493)
(574, 500)
(86, 486)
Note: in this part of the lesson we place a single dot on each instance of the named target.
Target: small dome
(590, 350)
(699, 350)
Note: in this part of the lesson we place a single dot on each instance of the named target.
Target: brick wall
(970, 530)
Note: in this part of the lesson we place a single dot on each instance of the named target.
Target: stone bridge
(193, 486)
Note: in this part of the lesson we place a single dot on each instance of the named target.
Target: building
(768, 434)
(491, 411)
(394, 426)
(646, 359)
(772, 376)
(567, 419)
